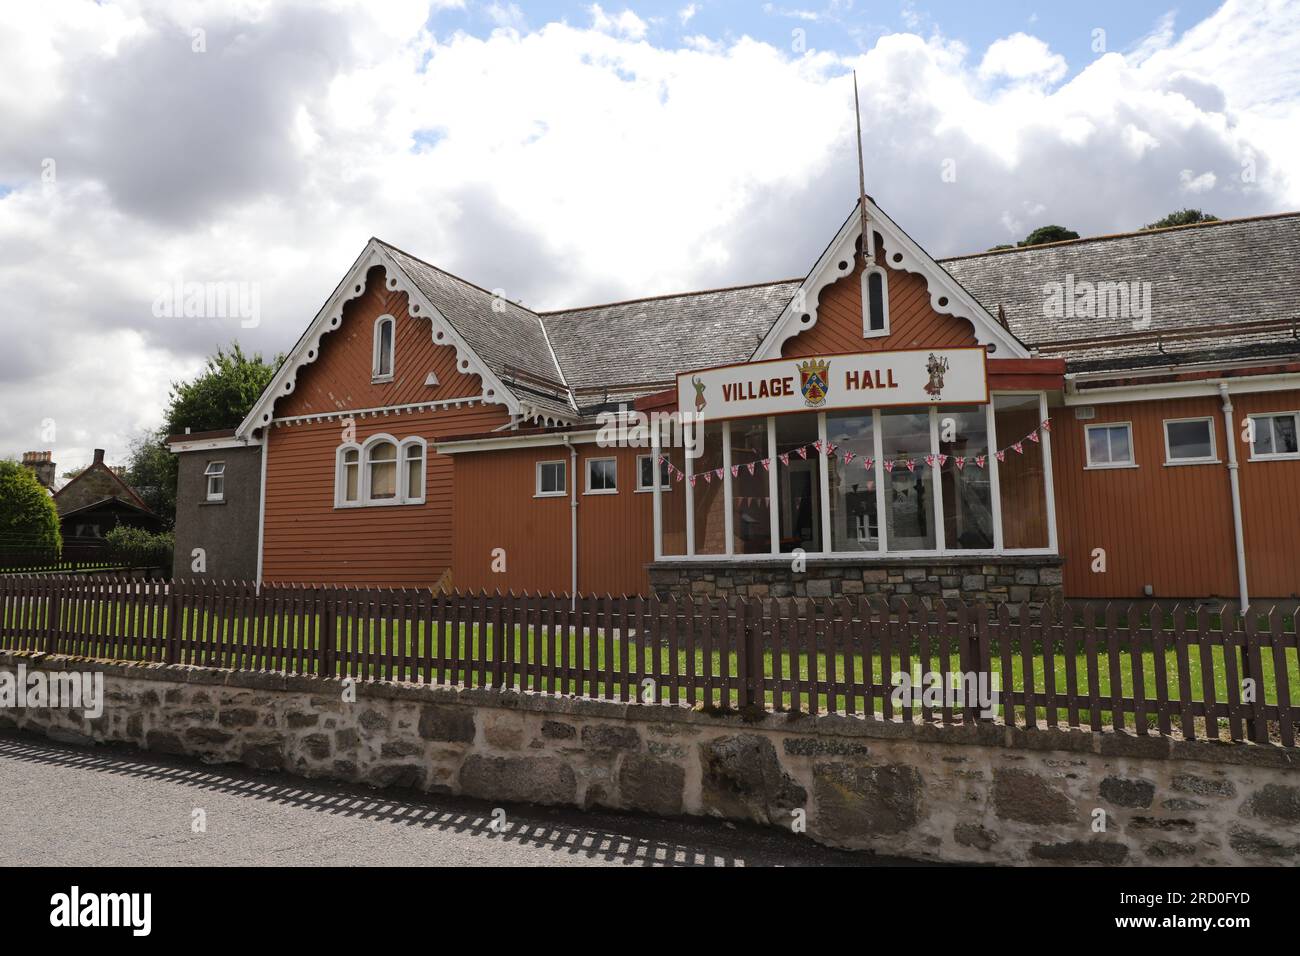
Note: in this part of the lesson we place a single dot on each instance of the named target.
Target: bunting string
(831, 450)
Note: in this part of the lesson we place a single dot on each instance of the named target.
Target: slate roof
(1222, 290)
(1216, 289)
(648, 341)
(509, 340)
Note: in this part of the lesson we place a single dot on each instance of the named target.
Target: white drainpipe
(573, 523)
(1235, 483)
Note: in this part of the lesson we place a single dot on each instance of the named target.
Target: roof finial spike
(862, 177)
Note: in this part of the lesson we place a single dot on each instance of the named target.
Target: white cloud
(687, 13)
(626, 24)
(565, 164)
(1022, 57)
(1194, 184)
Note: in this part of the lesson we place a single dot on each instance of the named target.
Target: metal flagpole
(862, 176)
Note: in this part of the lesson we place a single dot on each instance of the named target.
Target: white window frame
(586, 469)
(1273, 455)
(364, 499)
(403, 470)
(220, 475)
(1213, 458)
(1106, 466)
(375, 374)
(341, 478)
(564, 476)
(867, 331)
(666, 483)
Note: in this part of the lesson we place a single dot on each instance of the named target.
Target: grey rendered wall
(227, 532)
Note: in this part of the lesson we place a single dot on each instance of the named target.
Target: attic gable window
(385, 329)
(875, 303)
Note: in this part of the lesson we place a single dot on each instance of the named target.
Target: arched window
(381, 471)
(385, 332)
(875, 303)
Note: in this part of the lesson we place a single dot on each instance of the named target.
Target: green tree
(222, 394)
(1045, 234)
(1183, 217)
(151, 469)
(28, 518)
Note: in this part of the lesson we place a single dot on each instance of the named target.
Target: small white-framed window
(550, 479)
(385, 334)
(348, 481)
(875, 302)
(216, 476)
(602, 476)
(1110, 445)
(381, 471)
(1277, 436)
(1189, 441)
(413, 455)
(645, 474)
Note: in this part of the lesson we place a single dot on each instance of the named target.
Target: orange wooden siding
(1171, 526)
(307, 539)
(495, 508)
(340, 378)
(913, 323)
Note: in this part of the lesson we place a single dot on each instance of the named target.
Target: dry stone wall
(977, 794)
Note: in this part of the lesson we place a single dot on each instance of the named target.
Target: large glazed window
(709, 495)
(1022, 480)
(966, 489)
(909, 491)
(855, 524)
(798, 483)
(751, 506)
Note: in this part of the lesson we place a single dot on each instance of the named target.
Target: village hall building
(1102, 418)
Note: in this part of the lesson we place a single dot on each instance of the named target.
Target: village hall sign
(857, 380)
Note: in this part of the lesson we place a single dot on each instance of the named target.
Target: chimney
(40, 463)
(99, 456)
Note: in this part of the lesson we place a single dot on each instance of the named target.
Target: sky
(566, 154)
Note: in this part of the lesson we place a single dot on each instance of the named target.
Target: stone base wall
(1036, 580)
(978, 794)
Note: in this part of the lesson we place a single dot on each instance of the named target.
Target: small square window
(550, 478)
(1110, 446)
(1276, 435)
(644, 471)
(602, 476)
(216, 475)
(1189, 441)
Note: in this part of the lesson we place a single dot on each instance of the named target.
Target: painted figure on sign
(936, 367)
(699, 394)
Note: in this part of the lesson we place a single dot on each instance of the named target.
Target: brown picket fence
(1146, 669)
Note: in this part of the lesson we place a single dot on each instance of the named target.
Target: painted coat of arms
(936, 367)
(814, 382)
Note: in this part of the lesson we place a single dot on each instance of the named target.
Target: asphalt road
(71, 806)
